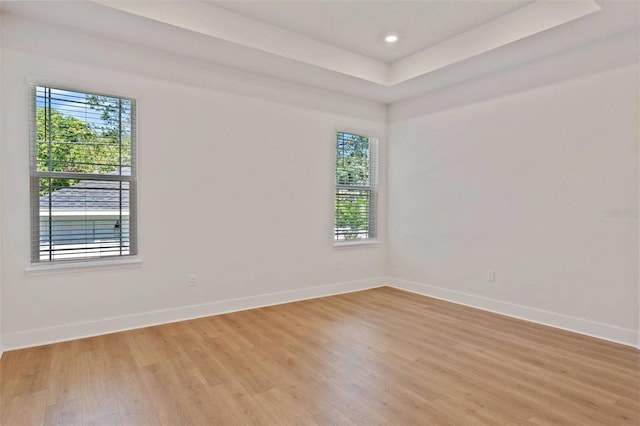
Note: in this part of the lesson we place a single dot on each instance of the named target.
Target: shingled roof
(88, 195)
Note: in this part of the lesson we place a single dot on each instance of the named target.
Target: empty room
(320, 212)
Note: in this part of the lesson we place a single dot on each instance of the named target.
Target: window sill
(356, 243)
(37, 269)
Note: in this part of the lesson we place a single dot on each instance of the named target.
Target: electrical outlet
(491, 276)
(191, 280)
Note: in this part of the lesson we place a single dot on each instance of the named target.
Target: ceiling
(337, 45)
(360, 26)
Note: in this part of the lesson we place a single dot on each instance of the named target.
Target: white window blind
(356, 187)
(83, 175)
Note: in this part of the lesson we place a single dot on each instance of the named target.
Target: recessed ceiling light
(391, 38)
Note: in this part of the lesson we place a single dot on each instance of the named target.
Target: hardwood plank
(98, 390)
(65, 380)
(284, 408)
(26, 409)
(332, 417)
(135, 405)
(111, 420)
(171, 404)
(68, 413)
(243, 407)
(379, 356)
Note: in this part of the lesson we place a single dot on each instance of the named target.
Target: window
(356, 192)
(83, 176)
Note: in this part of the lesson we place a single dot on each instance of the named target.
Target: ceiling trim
(523, 22)
(216, 55)
(210, 20)
(207, 19)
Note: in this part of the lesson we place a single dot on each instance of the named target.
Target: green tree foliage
(352, 212)
(115, 115)
(352, 160)
(352, 205)
(67, 144)
(115, 125)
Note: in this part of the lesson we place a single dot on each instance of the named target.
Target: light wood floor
(380, 356)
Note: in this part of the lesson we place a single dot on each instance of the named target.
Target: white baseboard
(608, 332)
(43, 336)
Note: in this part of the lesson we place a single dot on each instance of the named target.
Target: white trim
(599, 330)
(638, 183)
(248, 34)
(356, 131)
(228, 27)
(373, 187)
(61, 333)
(526, 21)
(42, 336)
(81, 84)
(356, 243)
(68, 267)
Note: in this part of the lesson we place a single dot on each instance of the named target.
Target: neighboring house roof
(89, 195)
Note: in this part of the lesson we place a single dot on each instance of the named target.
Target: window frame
(373, 228)
(94, 262)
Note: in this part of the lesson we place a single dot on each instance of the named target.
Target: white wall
(236, 189)
(521, 184)
(511, 172)
(1, 345)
